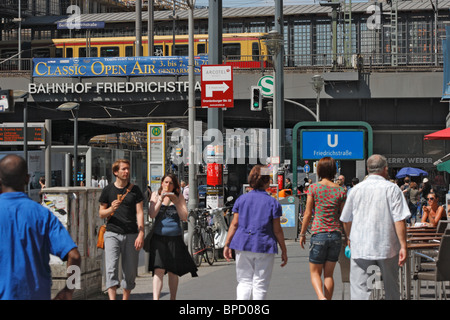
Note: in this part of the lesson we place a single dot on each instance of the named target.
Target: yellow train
(245, 50)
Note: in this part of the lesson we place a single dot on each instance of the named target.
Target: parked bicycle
(210, 232)
(202, 240)
(302, 209)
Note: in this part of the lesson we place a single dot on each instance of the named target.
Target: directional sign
(306, 168)
(210, 88)
(338, 144)
(217, 86)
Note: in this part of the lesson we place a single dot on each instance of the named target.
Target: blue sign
(338, 144)
(306, 168)
(115, 67)
(74, 24)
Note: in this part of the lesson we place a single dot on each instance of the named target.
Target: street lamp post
(73, 107)
(318, 83)
(274, 41)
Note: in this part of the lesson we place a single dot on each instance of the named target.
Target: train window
(82, 52)
(58, 53)
(109, 52)
(201, 48)
(159, 50)
(181, 50)
(41, 53)
(255, 51)
(129, 51)
(232, 51)
(69, 52)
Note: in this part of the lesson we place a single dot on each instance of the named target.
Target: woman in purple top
(254, 234)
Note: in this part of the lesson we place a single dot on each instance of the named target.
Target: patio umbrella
(438, 135)
(444, 166)
(411, 172)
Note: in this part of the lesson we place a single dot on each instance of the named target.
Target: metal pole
(25, 127)
(215, 120)
(279, 82)
(215, 26)
(138, 42)
(318, 106)
(19, 35)
(48, 153)
(173, 29)
(193, 195)
(436, 60)
(75, 148)
(150, 31)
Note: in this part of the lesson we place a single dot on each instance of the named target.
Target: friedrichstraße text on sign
(111, 87)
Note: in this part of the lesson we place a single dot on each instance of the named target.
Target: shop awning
(438, 135)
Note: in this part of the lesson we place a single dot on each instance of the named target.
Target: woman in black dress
(168, 252)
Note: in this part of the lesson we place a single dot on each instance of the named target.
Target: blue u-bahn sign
(338, 144)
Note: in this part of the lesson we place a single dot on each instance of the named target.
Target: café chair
(442, 225)
(437, 269)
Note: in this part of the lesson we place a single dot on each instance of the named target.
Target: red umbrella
(439, 135)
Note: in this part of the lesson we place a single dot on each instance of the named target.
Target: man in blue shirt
(30, 233)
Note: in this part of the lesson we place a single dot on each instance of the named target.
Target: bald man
(30, 233)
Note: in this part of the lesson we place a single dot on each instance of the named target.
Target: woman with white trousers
(254, 234)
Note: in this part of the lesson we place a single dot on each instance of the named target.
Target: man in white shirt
(374, 221)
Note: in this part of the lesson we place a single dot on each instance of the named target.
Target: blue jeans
(325, 246)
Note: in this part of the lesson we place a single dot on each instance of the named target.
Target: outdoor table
(423, 234)
(420, 229)
(425, 238)
(407, 266)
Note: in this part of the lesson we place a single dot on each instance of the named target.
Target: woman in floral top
(327, 199)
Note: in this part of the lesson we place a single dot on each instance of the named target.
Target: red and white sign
(214, 174)
(217, 86)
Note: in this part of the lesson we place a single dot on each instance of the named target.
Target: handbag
(102, 229)
(148, 237)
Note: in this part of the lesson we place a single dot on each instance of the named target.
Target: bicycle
(302, 208)
(202, 240)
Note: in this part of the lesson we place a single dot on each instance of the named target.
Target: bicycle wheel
(210, 248)
(308, 229)
(197, 248)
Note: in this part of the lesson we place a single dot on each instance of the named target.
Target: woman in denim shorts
(327, 199)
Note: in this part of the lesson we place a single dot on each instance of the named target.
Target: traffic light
(256, 98)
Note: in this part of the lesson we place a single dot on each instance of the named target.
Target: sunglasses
(430, 198)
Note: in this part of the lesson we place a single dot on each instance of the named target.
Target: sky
(254, 3)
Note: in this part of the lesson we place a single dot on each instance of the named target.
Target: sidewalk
(218, 282)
